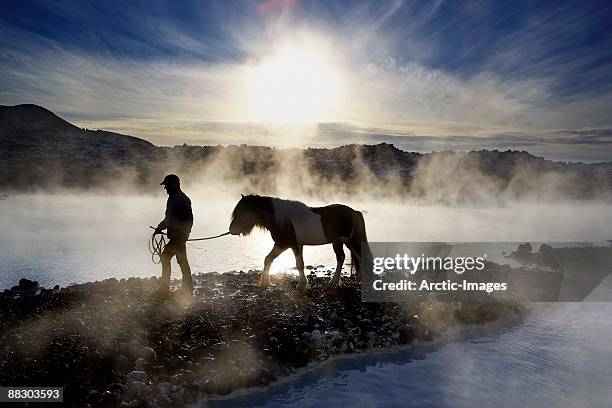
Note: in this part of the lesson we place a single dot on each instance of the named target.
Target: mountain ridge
(41, 150)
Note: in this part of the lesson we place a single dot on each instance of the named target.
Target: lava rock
(135, 389)
(406, 333)
(139, 366)
(149, 354)
(136, 376)
(26, 284)
(315, 336)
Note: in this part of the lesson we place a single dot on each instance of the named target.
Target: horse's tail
(361, 255)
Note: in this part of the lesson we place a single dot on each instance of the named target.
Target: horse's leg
(356, 258)
(299, 263)
(335, 281)
(265, 275)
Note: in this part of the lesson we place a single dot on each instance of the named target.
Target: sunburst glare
(298, 83)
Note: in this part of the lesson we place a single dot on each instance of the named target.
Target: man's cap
(169, 179)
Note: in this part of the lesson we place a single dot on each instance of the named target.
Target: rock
(136, 376)
(178, 395)
(183, 378)
(164, 387)
(525, 248)
(26, 284)
(149, 354)
(176, 361)
(106, 399)
(211, 387)
(224, 387)
(164, 400)
(125, 349)
(135, 389)
(118, 390)
(92, 397)
(354, 332)
(122, 363)
(140, 364)
(315, 336)
(406, 334)
(199, 352)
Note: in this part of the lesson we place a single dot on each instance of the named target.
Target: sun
(296, 84)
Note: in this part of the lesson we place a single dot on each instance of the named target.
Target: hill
(39, 150)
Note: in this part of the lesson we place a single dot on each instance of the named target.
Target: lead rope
(158, 242)
(213, 237)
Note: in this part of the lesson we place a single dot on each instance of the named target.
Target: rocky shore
(116, 344)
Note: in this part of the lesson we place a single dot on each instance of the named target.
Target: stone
(406, 334)
(149, 354)
(354, 332)
(164, 387)
(136, 376)
(26, 284)
(135, 389)
(140, 364)
(122, 363)
(315, 336)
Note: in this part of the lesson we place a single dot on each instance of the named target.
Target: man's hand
(160, 227)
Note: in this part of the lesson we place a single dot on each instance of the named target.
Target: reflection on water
(59, 239)
(556, 357)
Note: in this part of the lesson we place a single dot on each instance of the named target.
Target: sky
(424, 75)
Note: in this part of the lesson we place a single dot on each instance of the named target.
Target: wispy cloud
(439, 70)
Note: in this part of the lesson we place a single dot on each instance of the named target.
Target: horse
(292, 224)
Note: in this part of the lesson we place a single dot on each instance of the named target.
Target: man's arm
(161, 226)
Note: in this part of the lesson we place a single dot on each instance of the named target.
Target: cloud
(39, 71)
(406, 75)
(270, 6)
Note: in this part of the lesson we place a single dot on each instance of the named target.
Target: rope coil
(158, 242)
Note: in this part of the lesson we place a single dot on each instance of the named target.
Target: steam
(356, 172)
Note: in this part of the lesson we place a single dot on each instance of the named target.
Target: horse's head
(247, 214)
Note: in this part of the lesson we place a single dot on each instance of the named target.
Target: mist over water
(73, 238)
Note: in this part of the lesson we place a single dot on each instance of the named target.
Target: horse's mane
(259, 206)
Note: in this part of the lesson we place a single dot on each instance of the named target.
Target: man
(178, 222)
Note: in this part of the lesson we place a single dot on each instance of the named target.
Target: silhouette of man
(178, 222)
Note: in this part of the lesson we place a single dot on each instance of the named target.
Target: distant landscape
(41, 151)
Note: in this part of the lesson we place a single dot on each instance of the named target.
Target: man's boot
(187, 287)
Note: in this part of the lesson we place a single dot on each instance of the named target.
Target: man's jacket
(179, 217)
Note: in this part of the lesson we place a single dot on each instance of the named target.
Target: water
(557, 356)
(63, 239)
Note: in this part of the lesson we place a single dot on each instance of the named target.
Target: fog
(361, 172)
(66, 237)
(99, 226)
